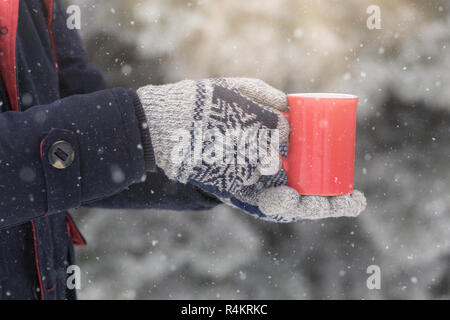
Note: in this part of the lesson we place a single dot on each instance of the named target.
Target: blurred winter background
(401, 72)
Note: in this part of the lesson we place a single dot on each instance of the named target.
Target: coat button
(61, 154)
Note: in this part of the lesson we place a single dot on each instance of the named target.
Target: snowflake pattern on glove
(228, 110)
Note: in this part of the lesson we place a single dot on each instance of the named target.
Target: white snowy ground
(403, 150)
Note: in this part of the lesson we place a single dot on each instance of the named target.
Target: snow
(403, 150)
(117, 174)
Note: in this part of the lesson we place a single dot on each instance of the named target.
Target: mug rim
(324, 95)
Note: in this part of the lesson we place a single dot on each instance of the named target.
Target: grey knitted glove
(189, 119)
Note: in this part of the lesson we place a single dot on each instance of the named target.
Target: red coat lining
(9, 15)
(9, 12)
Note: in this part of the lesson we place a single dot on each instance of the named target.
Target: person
(67, 142)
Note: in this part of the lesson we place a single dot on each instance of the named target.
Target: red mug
(321, 155)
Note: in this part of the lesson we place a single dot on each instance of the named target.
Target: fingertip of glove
(350, 205)
(283, 127)
(360, 200)
(260, 91)
(277, 200)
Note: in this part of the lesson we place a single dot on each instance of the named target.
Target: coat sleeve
(103, 132)
(158, 192)
(75, 74)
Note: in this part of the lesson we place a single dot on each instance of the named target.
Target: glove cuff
(149, 155)
(168, 108)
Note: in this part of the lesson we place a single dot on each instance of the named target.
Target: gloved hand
(188, 120)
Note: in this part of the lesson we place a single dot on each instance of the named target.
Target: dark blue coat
(64, 102)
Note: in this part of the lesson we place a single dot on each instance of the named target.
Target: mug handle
(284, 161)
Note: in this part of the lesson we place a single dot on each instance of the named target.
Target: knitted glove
(190, 124)
(271, 199)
